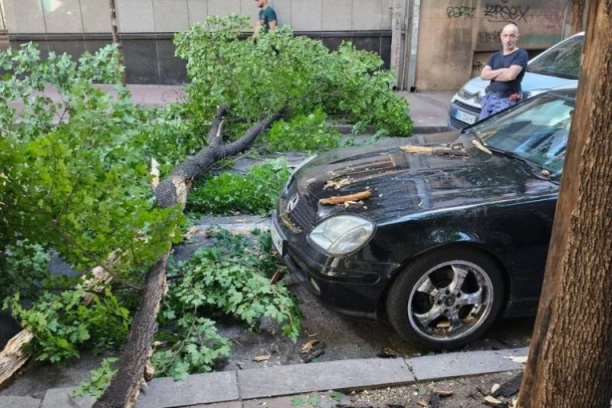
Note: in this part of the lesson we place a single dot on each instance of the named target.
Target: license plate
(465, 117)
(277, 239)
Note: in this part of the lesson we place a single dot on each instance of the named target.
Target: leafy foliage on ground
(304, 133)
(232, 278)
(62, 325)
(100, 378)
(252, 192)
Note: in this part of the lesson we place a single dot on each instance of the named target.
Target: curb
(342, 375)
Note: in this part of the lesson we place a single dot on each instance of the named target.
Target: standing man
(267, 17)
(505, 69)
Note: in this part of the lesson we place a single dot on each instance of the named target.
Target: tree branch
(125, 385)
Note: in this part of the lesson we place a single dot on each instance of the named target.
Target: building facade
(431, 44)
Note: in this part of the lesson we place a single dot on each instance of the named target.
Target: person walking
(267, 17)
(505, 69)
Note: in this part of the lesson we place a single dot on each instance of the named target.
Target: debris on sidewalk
(494, 402)
(387, 353)
(259, 359)
(518, 360)
(306, 348)
(311, 350)
(510, 387)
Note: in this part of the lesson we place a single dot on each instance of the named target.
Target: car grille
(305, 212)
(457, 124)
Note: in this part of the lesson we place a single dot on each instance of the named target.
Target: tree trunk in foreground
(125, 386)
(577, 16)
(570, 361)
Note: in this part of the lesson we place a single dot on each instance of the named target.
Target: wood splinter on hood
(452, 150)
(343, 199)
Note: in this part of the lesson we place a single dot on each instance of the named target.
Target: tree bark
(577, 16)
(570, 361)
(125, 386)
(115, 34)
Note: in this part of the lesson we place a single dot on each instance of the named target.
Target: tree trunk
(125, 386)
(115, 34)
(577, 17)
(571, 355)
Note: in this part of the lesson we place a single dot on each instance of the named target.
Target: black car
(453, 234)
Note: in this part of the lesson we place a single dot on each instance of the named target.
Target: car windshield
(561, 61)
(535, 131)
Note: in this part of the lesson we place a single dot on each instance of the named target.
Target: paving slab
(62, 398)
(231, 404)
(196, 389)
(441, 366)
(333, 375)
(19, 402)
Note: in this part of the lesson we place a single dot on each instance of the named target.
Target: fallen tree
(125, 385)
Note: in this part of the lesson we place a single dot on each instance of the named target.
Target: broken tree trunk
(125, 386)
(570, 354)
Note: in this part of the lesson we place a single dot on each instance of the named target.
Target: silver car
(556, 68)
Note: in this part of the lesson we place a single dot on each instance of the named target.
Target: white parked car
(556, 68)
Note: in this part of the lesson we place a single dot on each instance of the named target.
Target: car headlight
(342, 234)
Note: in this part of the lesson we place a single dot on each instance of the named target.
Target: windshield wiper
(542, 172)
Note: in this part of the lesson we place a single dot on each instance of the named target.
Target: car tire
(421, 291)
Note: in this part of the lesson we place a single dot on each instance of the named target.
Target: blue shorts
(492, 104)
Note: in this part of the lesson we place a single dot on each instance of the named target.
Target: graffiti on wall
(460, 11)
(478, 66)
(487, 37)
(502, 13)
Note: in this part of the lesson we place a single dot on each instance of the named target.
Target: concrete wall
(163, 16)
(456, 37)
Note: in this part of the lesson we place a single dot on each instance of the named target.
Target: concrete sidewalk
(428, 110)
(238, 389)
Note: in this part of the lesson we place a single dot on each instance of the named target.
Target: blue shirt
(267, 15)
(498, 60)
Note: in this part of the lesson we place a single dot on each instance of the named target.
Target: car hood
(404, 183)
